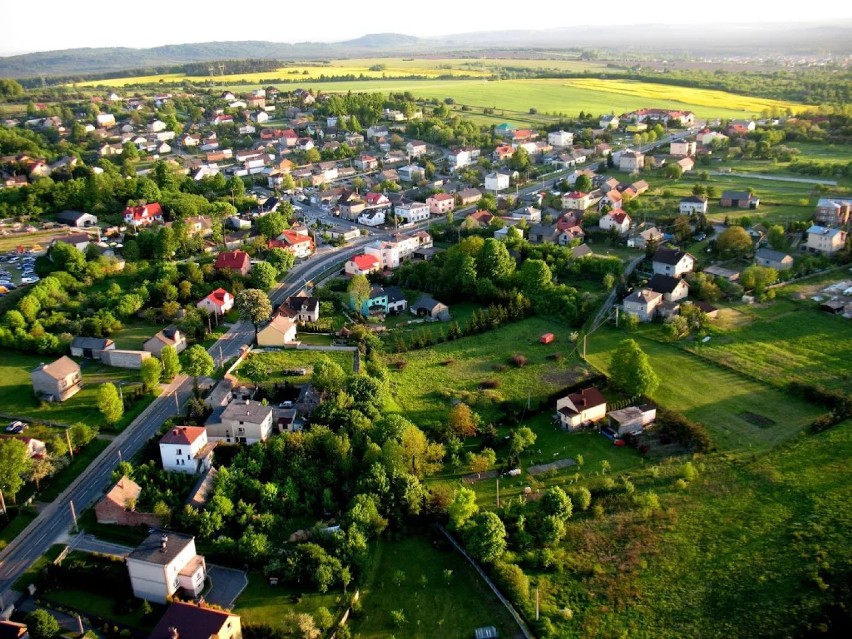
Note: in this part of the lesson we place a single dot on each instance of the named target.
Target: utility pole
(536, 603)
(498, 492)
(584, 346)
(5, 512)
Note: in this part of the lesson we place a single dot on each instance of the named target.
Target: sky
(60, 25)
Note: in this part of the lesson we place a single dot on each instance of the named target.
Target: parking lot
(16, 270)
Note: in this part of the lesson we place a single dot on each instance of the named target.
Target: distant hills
(710, 39)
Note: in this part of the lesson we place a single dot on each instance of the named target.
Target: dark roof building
(189, 621)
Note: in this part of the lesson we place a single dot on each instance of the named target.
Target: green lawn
(433, 377)
(712, 395)
(431, 607)
(133, 336)
(405, 324)
(92, 604)
(12, 528)
(279, 361)
(261, 603)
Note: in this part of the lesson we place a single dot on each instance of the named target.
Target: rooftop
(161, 547)
(190, 622)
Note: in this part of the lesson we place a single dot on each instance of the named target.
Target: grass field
(279, 361)
(461, 366)
(713, 396)
(431, 607)
(261, 603)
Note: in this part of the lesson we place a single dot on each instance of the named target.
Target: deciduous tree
(631, 371)
(109, 403)
(171, 363)
(15, 465)
(254, 306)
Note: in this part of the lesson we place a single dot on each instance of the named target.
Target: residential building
(170, 336)
(673, 289)
(241, 422)
(479, 220)
(415, 148)
(280, 331)
(528, 213)
(617, 220)
(458, 159)
(467, 197)
(832, 212)
(630, 161)
(165, 564)
(301, 308)
(118, 506)
(235, 261)
(643, 304)
(576, 200)
(693, 205)
(344, 233)
(372, 217)
(778, 260)
(682, 148)
(577, 409)
(143, 215)
(610, 121)
(611, 199)
(428, 306)
(185, 449)
(396, 299)
(13, 630)
(441, 203)
(632, 420)
(58, 380)
(739, 199)
(648, 236)
(375, 304)
(301, 245)
(496, 181)
(90, 347)
(686, 164)
(124, 358)
(825, 240)
(560, 139)
(362, 265)
(218, 302)
(412, 212)
(672, 262)
(195, 621)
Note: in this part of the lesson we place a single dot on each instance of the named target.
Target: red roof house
(234, 261)
(218, 302)
(362, 265)
(143, 215)
(296, 243)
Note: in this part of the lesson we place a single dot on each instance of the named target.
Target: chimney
(173, 633)
(164, 540)
(175, 431)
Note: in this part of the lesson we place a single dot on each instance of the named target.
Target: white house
(185, 449)
(618, 220)
(415, 148)
(609, 122)
(692, 205)
(219, 302)
(164, 564)
(682, 148)
(825, 240)
(241, 422)
(372, 217)
(642, 304)
(576, 200)
(496, 181)
(528, 213)
(672, 262)
(630, 161)
(583, 407)
(458, 159)
(412, 212)
(560, 138)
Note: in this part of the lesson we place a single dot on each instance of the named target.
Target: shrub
(400, 364)
(490, 383)
(676, 427)
(512, 581)
(518, 360)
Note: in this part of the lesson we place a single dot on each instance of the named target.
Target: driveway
(227, 584)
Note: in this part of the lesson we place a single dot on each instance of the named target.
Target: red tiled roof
(365, 262)
(441, 197)
(218, 296)
(144, 212)
(235, 260)
(182, 435)
(576, 195)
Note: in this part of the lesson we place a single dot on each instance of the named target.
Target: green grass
(61, 480)
(315, 339)
(261, 603)
(432, 377)
(279, 361)
(37, 566)
(431, 607)
(712, 395)
(405, 324)
(133, 336)
(89, 603)
(14, 526)
(125, 535)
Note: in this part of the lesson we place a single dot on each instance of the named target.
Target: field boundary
(517, 617)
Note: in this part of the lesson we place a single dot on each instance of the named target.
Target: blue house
(376, 304)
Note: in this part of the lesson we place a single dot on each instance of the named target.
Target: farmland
(712, 395)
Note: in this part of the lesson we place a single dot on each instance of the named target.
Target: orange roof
(365, 262)
(183, 435)
(219, 296)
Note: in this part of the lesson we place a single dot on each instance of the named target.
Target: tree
(263, 276)
(481, 462)
(42, 625)
(171, 363)
(109, 403)
(583, 184)
(534, 276)
(734, 240)
(673, 171)
(198, 362)
(522, 439)
(255, 369)
(41, 467)
(328, 376)
(359, 291)
(462, 421)
(271, 225)
(631, 371)
(254, 306)
(151, 371)
(758, 278)
(557, 503)
(280, 259)
(81, 434)
(68, 258)
(486, 537)
(520, 160)
(495, 263)
(15, 465)
(778, 238)
(682, 228)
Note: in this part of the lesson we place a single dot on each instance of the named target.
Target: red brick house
(237, 261)
(118, 506)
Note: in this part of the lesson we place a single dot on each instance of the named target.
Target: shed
(833, 307)
(547, 338)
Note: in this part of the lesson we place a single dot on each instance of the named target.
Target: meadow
(408, 576)
(279, 361)
(261, 603)
(717, 397)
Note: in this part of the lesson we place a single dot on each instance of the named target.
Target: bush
(490, 383)
(518, 360)
(512, 581)
(676, 427)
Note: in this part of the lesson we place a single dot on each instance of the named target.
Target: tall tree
(151, 372)
(109, 403)
(328, 376)
(271, 225)
(171, 363)
(734, 240)
(198, 363)
(359, 291)
(495, 263)
(462, 508)
(254, 306)
(462, 421)
(631, 371)
(486, 537)
(263, 276)
(42, 625)
(15, 465)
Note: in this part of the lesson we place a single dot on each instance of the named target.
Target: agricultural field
(458, 370)
(409, 576)
(740, 413)
(279, 361)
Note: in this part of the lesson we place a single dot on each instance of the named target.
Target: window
(179, 451)
(241, 430)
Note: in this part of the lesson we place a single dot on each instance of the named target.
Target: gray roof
(95, 343)
(772, 256)
(426, 302)
(736, 195)
(252, 412)
(394, 294)
(69, 216)
(663, 283)
(152, 551)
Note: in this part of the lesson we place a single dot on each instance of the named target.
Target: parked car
(16, 427)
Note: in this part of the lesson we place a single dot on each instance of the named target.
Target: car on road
(16, 427)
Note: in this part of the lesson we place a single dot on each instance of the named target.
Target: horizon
(85, 30)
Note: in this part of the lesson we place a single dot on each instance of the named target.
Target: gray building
(240, 422)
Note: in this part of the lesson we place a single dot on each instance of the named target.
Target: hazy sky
(58, 24)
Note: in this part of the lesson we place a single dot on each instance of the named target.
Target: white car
(30, 280)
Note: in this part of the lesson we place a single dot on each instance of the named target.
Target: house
(164, 564)
(617, 220)
(739, 199)
(576, 200)
(672, 288)
(199, 225)
(682, 148)
(648, 236)
(58, 380)
(105, 120)
(90, 347)
(502, 233)
(672, 262)
(496, 181)
(13, 630)
(528, 213)
(412, 212)
(376, 302)
(241, 422)
(411, 173)
(35, 448)
(169, 336)
(503, 152)
(218, 302)
(630, 161)
(610, 121)
(191, 621)
(118, 506)
(778, 260)
(299, 244)
(686, 164)
(560, 139)
(415, 148)
(344, 233)
(185, 449)
(631, 420)
(580, 408)
(543, 234)
(362, 265)
(143, 215)
(581, 251)
(458, 159)
(372, 217)
(692, 205)
(643, 304)
(77, 219)
(441, 203)
(611, 199)
(301, 308)
(467, 197)
(377, 131)
(365, 162)
(479, 220)
(280, 330)
(427, 306)
(825, 240)
(236, 261)
(831, 212)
